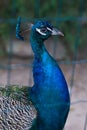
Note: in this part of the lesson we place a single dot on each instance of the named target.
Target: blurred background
(70, 51)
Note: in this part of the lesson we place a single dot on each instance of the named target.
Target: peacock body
(49, 94)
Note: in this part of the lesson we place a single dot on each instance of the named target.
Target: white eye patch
(39, 31)
(49, 29)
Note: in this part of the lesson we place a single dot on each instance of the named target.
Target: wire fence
(10, 66)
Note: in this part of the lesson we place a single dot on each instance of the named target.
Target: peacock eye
(43, 30)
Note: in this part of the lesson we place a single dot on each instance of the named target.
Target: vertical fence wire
(37, 8)
(13, 12)
(57, 22)
(76, 44)
(85, 124)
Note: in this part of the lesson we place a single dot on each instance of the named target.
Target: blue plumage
(49, 93)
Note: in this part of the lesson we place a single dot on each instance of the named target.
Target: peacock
(49, 96)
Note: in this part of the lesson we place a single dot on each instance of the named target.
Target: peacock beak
(56, 32)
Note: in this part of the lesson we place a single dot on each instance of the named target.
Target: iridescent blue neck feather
(50, 93)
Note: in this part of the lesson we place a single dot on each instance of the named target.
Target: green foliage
(46, 9)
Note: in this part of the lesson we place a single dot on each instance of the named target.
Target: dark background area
(69, 16)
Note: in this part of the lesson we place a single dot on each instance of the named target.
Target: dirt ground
(78, 112)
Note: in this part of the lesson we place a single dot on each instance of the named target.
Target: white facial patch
(49, 29)
(39, 31)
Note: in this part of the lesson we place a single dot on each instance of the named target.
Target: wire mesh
(11, 68)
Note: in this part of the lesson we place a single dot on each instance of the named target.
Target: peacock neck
(48, 82)
(37, 46)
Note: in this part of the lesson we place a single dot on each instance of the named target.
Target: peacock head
(43, 30)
